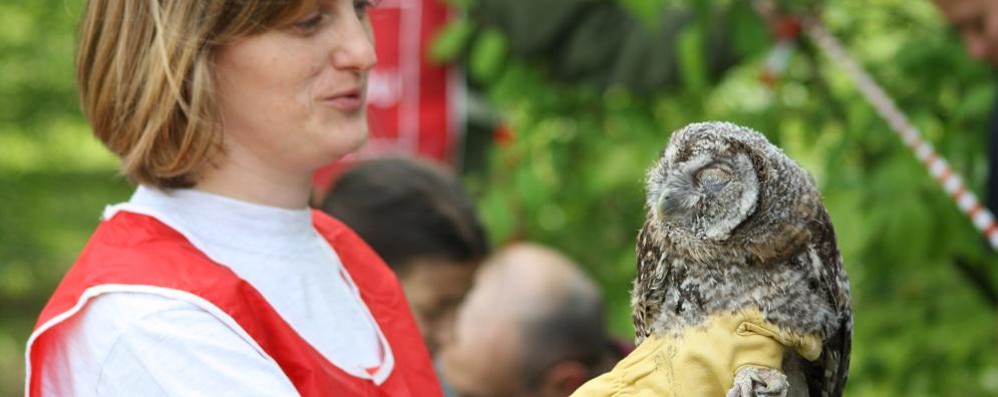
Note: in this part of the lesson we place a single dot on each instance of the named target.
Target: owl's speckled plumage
(734, 223)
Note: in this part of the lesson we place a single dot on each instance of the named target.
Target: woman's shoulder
(124, 309)
(109, 316)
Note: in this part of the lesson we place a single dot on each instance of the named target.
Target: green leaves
(692, 67)
(451, 42)
(488, 56)
(976, 101)
(647, 10)
(573, 178)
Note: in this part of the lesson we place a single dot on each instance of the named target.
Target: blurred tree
(603, 43)
(54, 177)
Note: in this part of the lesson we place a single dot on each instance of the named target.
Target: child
(415, 215)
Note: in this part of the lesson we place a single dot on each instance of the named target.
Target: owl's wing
(829, 373)
(649, 285)
(835, 358)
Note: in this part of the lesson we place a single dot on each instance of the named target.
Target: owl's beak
(669, 203)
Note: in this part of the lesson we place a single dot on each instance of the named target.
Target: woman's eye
(309, 24)
(363, 5)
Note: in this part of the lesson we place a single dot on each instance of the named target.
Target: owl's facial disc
(708, 196)
(679, 193)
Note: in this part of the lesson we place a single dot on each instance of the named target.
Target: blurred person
(977, 22)
(532, 325)
(216, 278)
(415, 215)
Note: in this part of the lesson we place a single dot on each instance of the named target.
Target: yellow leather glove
(702, 361)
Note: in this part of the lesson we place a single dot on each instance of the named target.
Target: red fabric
(411, 106)
(139, 250)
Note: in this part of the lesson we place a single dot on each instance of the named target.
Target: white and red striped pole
(951, 182)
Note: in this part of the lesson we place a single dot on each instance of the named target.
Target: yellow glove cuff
(702, 360)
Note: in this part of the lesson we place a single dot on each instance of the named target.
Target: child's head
(416, 216)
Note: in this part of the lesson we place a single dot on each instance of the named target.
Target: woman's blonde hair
(144, 70)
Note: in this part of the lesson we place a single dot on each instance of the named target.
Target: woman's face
(293, 99)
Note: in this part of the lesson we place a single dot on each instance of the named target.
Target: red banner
(414, 106)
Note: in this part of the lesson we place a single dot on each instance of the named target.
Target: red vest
(133, 249)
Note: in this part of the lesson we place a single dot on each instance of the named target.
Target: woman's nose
(355, 49)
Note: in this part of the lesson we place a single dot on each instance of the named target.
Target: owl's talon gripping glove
(702, 360)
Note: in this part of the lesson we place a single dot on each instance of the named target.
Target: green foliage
(692, 67)
(572, 177)
(488, 55)
(451, 41)
(647, 10)
(55, 177)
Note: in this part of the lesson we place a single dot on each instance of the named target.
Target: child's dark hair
(408, 209)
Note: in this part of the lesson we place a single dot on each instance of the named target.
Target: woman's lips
(350, 100)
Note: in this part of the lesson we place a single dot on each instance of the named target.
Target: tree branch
(979, 278)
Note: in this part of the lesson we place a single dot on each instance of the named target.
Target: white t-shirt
(148, 344)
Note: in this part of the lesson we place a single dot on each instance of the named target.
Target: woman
(215, 278)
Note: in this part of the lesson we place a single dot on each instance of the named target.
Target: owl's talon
(758, 381)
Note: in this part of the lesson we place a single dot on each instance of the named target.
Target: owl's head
(719, 184)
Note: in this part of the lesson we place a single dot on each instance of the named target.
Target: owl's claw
(759, 381)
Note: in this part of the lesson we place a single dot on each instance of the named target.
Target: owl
(732, 224)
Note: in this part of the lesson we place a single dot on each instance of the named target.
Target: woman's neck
(257, 184)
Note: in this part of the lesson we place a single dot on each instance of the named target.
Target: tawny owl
(734, 223)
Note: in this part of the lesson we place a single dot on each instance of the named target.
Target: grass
(47, 218)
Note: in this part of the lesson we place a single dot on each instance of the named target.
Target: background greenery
(572, 177)
(572, 174)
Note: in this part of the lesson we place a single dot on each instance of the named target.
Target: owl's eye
(713, 177)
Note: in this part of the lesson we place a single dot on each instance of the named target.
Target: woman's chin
(358, 141)
(344, 145)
